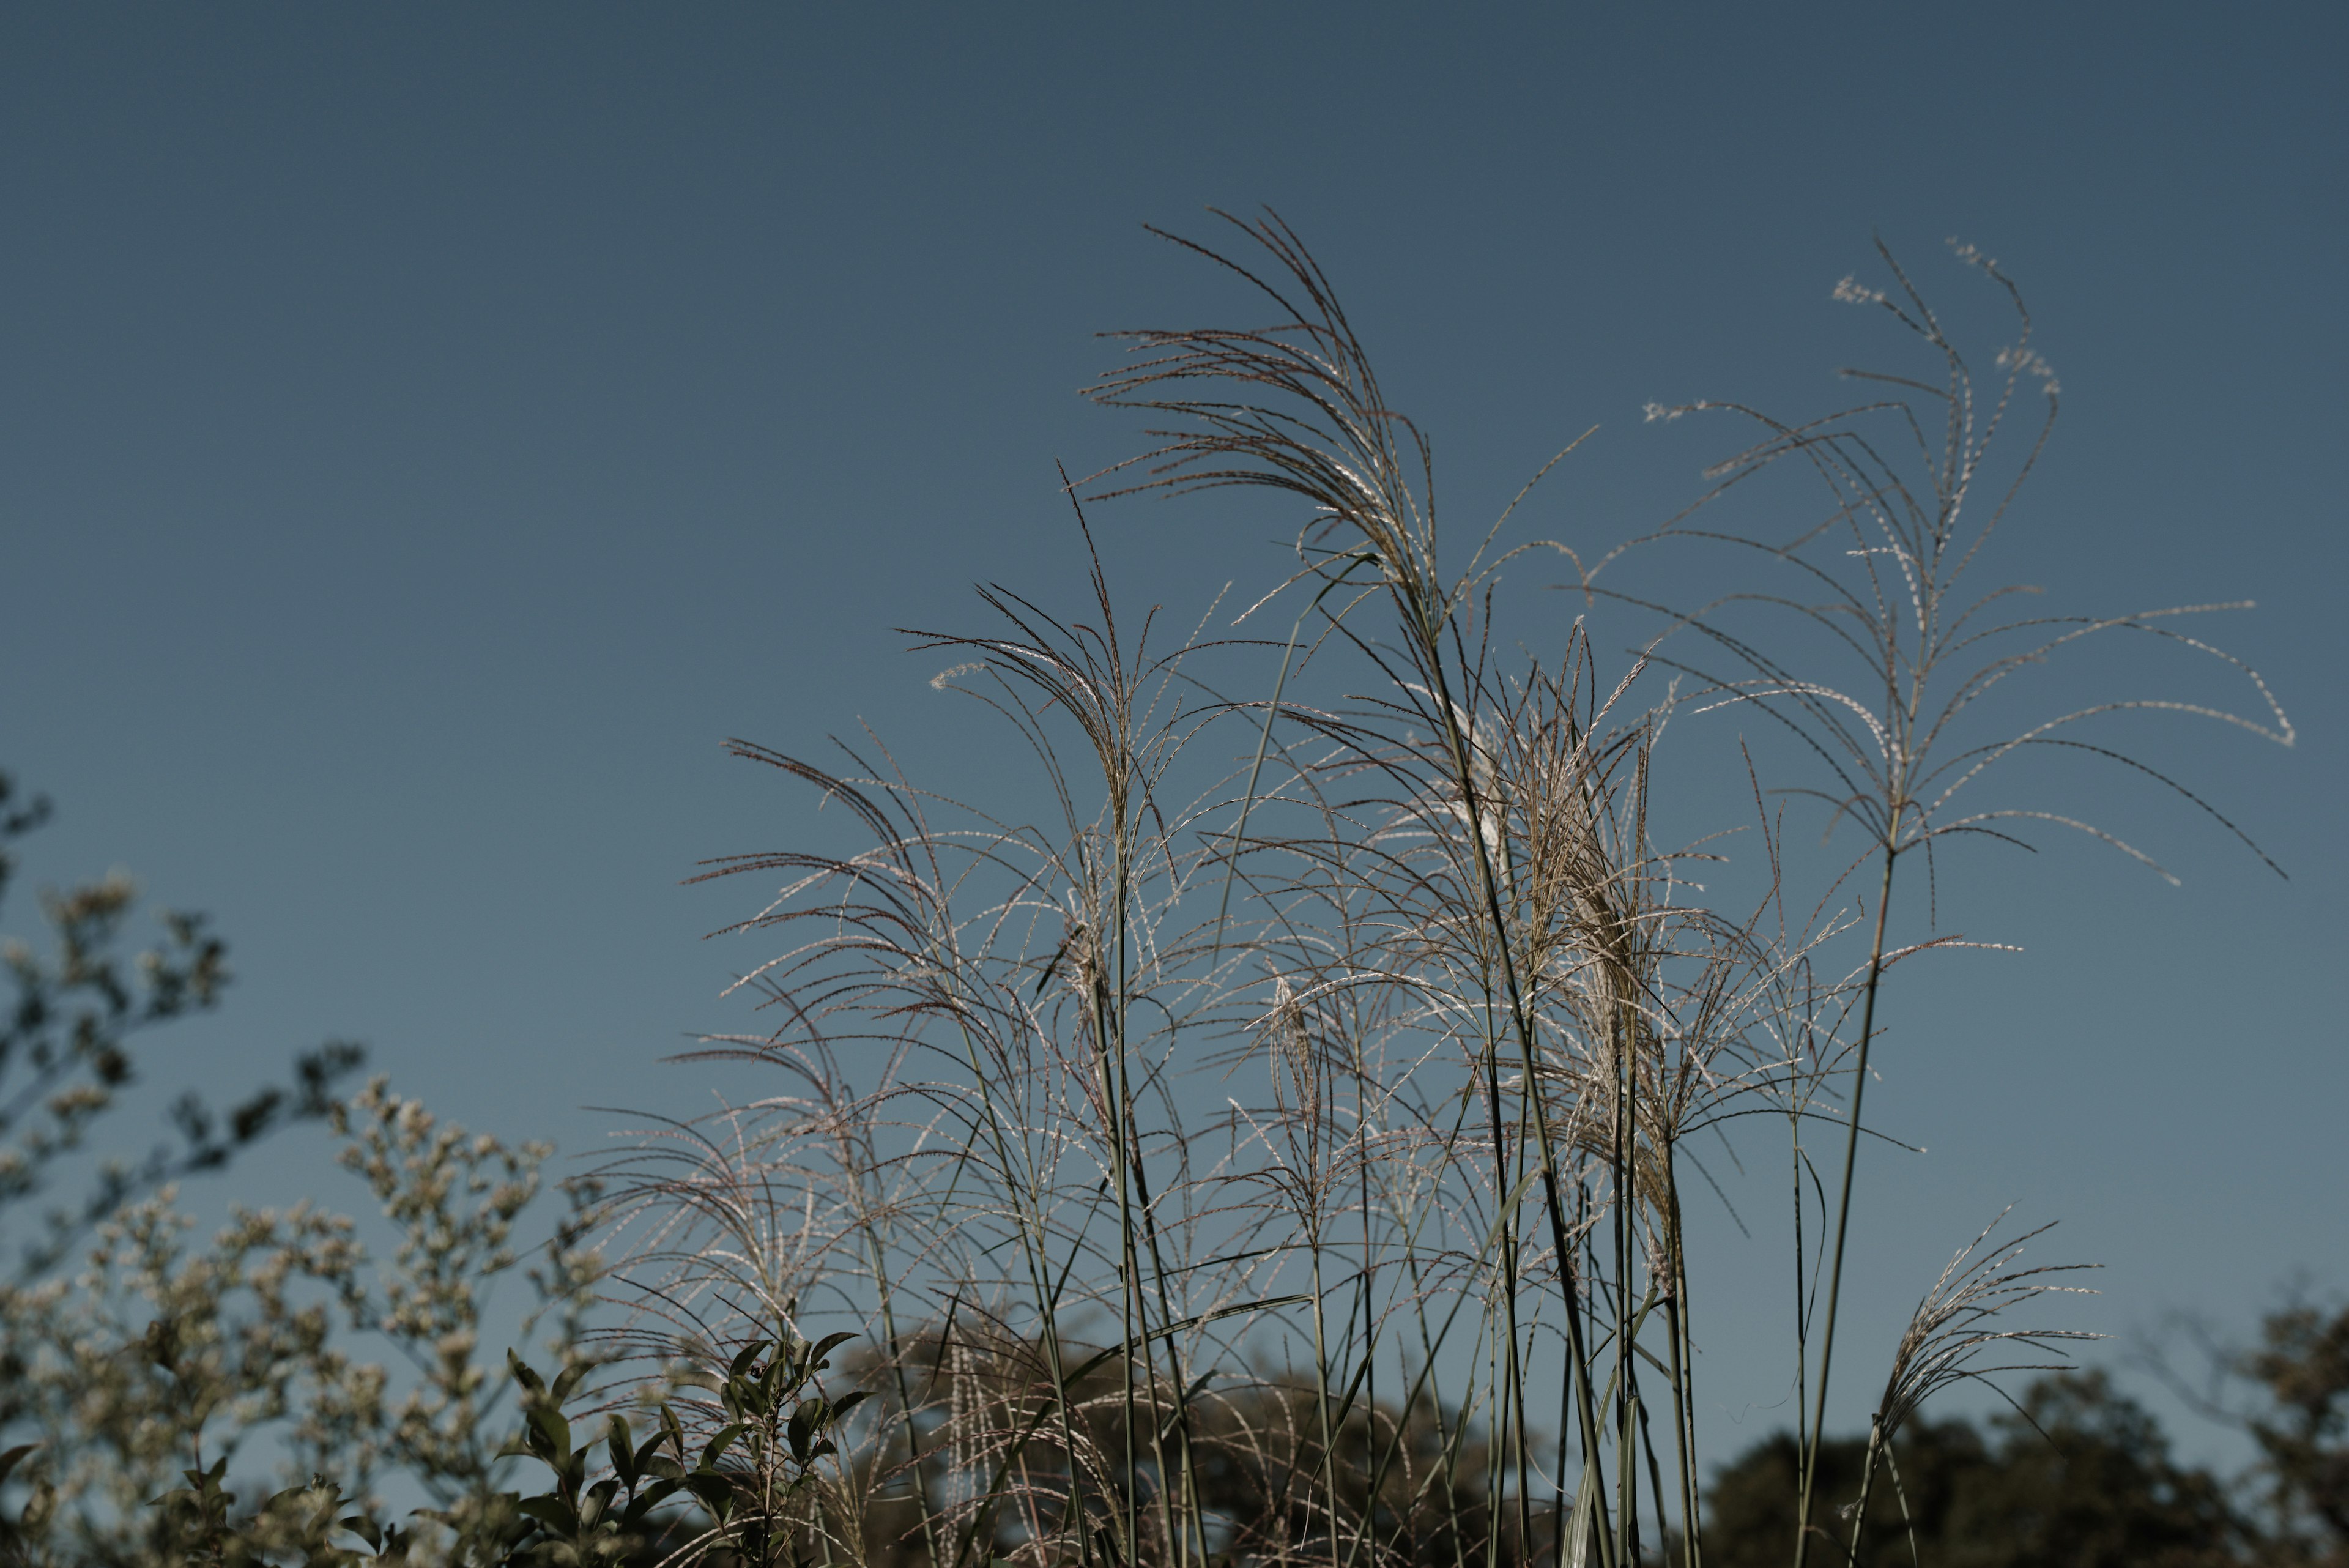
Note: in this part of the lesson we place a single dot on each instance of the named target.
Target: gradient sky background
(427, 432)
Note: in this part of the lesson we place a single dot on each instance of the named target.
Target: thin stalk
(1521, 1435)
(1322, 1377)
(1681, 1436)
(1426, 1380)
(1185, 1465)
(1802, 1310)
(1464, 776)
(1111, 1029)
(1901, 1495)
(1682, 1369)
(1586, 1407)
(1867, 1480)
(1112, 1099)
(1686, 1348)
(1557, 1511)
(1369, 1271)
(1494, 1423)
(1047, 1301)
(1623, 1155)
(1655, 1472)
(1178, 1539)
(905, 1395)
(1843, 1211)
(1502, 1382)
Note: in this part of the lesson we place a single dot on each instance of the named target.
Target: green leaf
(9, 1461)
(530, 1380)
(825, 1346)
(714, 1492)
(552, 1512)
(798, 1431)
(672, 1432)
(772, 1386)
(651, 1497)
(620, 1443)
(548, 1422)
(716, 1448)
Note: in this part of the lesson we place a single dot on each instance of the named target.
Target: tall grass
(1273, 1149)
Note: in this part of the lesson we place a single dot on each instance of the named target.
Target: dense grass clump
(1308, 1095)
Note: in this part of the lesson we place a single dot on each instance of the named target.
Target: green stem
(1625, 1152)
(1683, 1373)
(1804, 1498)
(1867, 1480)
(1321, 1380)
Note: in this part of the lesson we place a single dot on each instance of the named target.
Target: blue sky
(427, 433)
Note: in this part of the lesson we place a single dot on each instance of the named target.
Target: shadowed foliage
(2098, 1489)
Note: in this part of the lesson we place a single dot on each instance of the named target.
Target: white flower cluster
(945, 677)
(2025, 361)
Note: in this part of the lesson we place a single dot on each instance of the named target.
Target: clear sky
(426, 432)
